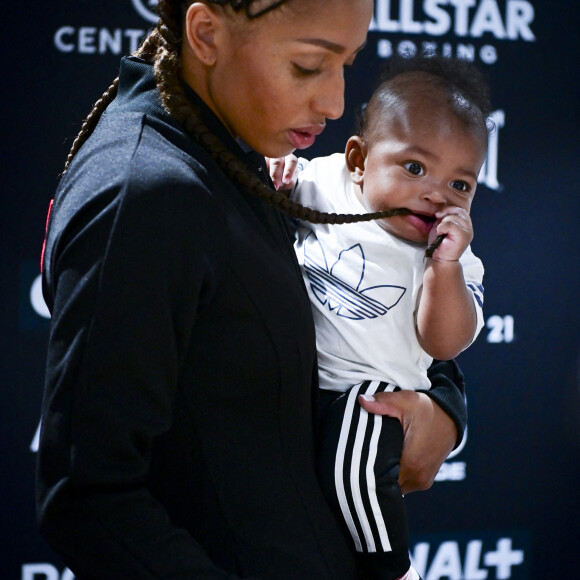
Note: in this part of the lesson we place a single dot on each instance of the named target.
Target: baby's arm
(446, 316)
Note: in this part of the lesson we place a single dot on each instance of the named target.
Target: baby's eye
(414, 168)
(461, 186)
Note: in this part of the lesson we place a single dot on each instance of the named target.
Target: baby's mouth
(424, 222)
(428, 219)
(425, 218)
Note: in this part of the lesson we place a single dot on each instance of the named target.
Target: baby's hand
(283, 171)
(455, 224)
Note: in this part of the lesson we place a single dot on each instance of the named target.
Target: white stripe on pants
(355, 471)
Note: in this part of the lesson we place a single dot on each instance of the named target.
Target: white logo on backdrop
(488, 173)
(46, 571)
(146, 9)
(466, 18)
(475, 561)
(36, 298)
(450, 24)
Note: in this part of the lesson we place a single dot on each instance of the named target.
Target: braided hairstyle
(163, 47)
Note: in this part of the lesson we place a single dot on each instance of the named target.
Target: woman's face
(278, 78)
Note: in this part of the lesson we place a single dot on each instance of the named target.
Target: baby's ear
(355, 155)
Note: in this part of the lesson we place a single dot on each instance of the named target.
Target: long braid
(91, 121)
(147, 50)
(167, 73)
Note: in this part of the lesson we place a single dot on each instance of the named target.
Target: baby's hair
(467, 91)
(162, 47)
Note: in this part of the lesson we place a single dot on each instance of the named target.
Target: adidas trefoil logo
(341, 286)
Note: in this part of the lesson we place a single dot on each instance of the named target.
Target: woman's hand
(430, 434)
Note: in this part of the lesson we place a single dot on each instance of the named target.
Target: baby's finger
(455, 234)
(291, 162)
(453, 210)
(276, 168)
(454, 221)
(451, 224)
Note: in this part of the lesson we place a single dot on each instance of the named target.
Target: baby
(384, 308)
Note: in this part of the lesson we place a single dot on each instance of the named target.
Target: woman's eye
(414, 168)
(305, 71)
(460, 186)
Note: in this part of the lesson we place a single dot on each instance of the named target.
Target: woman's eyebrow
(329, 45)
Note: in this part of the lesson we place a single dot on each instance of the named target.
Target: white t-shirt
(363, 285)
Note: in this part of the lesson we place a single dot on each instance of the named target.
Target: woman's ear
(355, 155)
(201, 26)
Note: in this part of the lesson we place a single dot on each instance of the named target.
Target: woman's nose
(329, 100)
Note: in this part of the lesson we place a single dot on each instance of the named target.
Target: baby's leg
(359, 469)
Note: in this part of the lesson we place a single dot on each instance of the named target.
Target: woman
(178, 431)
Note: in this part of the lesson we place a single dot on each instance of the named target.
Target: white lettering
(44, 572)
(519, 16)
(419, 557)
(504, 558)
(38, 571)
(488, 54)
(446, 562)
(472, 18)
(86, 43)
(462, 15)
(384, 48)
(134, 37)
(407, 48)
(451, 471)
(429, 47)
(501, 329)
(407, 22)
(59, 39)
(487, 19)
(109, 41)
(472, 559)
(383, 21)
(91, 40)
(466, 52)
(441, 19)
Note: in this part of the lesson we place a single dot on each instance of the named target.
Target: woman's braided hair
(163, 48)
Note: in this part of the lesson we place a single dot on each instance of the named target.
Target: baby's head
(421, 142)
(452, 84)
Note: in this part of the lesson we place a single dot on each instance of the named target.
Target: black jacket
(177, 436)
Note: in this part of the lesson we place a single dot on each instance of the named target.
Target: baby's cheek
(378, 200)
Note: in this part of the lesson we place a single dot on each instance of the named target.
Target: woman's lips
(304, 136)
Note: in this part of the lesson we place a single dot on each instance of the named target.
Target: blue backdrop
(507, 504)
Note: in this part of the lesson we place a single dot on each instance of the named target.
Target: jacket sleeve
(448, 391)
(129, 272)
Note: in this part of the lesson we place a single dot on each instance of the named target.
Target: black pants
(358, 470)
